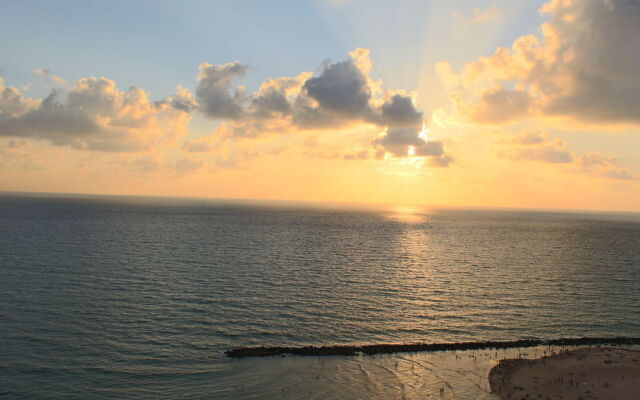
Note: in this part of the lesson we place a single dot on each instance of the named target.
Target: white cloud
(480, 16)
(93, 115)
(51, 79)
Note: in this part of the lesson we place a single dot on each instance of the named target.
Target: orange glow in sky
(471, 107)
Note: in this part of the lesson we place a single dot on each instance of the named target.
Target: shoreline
(387, 348)
(611, 373)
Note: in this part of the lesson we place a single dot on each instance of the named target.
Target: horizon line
(319, 204)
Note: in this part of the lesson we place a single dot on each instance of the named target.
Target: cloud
(51, 79)
(213, 94)
(433, 148)
(546, 153)
(599, 165)
(500, 105)
(530, 137)
(341, 89)
(404, 141)
(274, 97)
(584, 66)
(145, 163)
(360, 155)
(341, 95)
(187, 164)
(20, 154)
(480, 16)
(536, 146)
(93, 115)
(398, 140)
(199, 145)
(399, 110)
(183, 100)
(441, 162)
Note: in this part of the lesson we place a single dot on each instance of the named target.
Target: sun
(423, 134)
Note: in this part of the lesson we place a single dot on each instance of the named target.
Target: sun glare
(424, 133)
(407, 214)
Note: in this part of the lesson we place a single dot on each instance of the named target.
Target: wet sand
(587, 374)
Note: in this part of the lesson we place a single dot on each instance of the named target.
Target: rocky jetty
(346, 350)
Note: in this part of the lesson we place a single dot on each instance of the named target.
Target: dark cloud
(307, 115)
(599, 40)
(398, 111)
(430, 148)
(342, 94)
(403, 142)
(213, 91)
(342, 89)
(272, 101)
(584, 66)
(398, 140)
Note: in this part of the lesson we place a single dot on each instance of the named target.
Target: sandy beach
(587, 373)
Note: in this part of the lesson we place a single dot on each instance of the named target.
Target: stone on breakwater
(346, 350)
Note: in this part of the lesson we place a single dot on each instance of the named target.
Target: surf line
(370, 349)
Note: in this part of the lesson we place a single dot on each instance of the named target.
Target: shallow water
(459, 375)
(117, 297)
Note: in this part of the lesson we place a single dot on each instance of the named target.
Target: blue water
(110, 297)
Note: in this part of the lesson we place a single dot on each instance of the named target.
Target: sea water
(113, 297)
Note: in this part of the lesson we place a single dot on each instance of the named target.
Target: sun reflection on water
(408, 214)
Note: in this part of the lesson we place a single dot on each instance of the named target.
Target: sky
(465, 103)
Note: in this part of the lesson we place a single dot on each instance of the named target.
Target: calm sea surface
(139, 298)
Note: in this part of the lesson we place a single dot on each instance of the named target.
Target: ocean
(124, 297)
